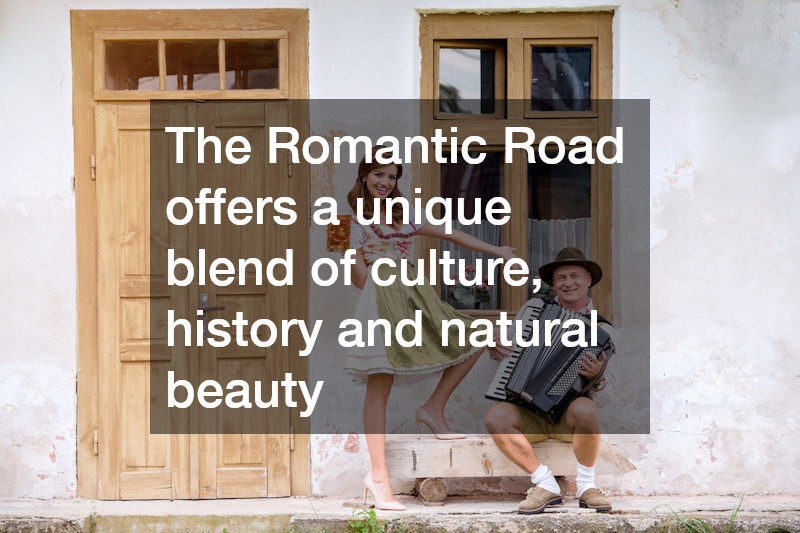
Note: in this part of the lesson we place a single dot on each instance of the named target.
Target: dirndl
(398, 302)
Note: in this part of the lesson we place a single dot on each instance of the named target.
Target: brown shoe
(537, 499)
(595, 499)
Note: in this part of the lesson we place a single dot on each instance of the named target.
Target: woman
(396, 302)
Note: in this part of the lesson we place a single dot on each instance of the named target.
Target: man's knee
(502, 418)
(582, 415)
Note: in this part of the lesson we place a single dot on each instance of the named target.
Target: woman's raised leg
(434, 407)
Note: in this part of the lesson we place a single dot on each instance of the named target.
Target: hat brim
(546, 271)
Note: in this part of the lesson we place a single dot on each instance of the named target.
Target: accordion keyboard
(497, 388)
(568, 378)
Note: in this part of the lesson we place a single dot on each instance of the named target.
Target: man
(515, 428)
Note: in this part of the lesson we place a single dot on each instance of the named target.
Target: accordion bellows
(543, 378)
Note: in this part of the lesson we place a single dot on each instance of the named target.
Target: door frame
(84, 27)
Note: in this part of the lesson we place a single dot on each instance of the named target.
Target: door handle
(205, 309)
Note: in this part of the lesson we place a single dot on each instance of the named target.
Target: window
(471, 77)
(192, 64)
(560, 76)
(550, 72)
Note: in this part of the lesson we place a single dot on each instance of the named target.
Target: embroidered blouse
(378, 240)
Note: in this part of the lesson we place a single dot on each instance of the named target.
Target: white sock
(542, 477)
(585, 479)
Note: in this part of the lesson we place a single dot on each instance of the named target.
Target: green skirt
(398, 302)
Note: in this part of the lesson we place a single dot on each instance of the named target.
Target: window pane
(251, 64)
(470, 182)
(131, 65)
(466, 80)
(559, 210)
(561, 78)
(192, 65)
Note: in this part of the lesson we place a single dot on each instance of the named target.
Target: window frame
(162, 37)
(528, 74)
(521, 31)
(499, 76)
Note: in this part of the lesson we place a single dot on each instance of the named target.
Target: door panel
(252, 447)
(133, 464)
(237, 453)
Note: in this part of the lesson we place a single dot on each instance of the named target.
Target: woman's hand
(506, 252)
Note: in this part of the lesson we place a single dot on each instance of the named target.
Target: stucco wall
(37, 210)
(722, 79)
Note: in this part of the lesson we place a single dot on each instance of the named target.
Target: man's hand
(591, 365)
(499, 351)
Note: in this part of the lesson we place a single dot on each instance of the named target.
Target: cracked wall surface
(722, 79)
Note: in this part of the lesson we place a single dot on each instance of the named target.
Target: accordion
(545, 379)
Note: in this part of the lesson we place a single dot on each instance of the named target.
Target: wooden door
(122, 348)
(203, 454)
(245, 452)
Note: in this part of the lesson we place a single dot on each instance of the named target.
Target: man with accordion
(523, 419)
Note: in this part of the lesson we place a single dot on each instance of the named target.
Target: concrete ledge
(586, 522)
(232, 523)
(565, 519)
(40, 525)
(762, 513)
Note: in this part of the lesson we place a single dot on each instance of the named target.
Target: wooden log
(432, 489)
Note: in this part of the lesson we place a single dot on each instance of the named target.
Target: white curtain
(548, 237)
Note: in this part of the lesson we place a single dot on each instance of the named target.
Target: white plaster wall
(725, 191)
(37, 271)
